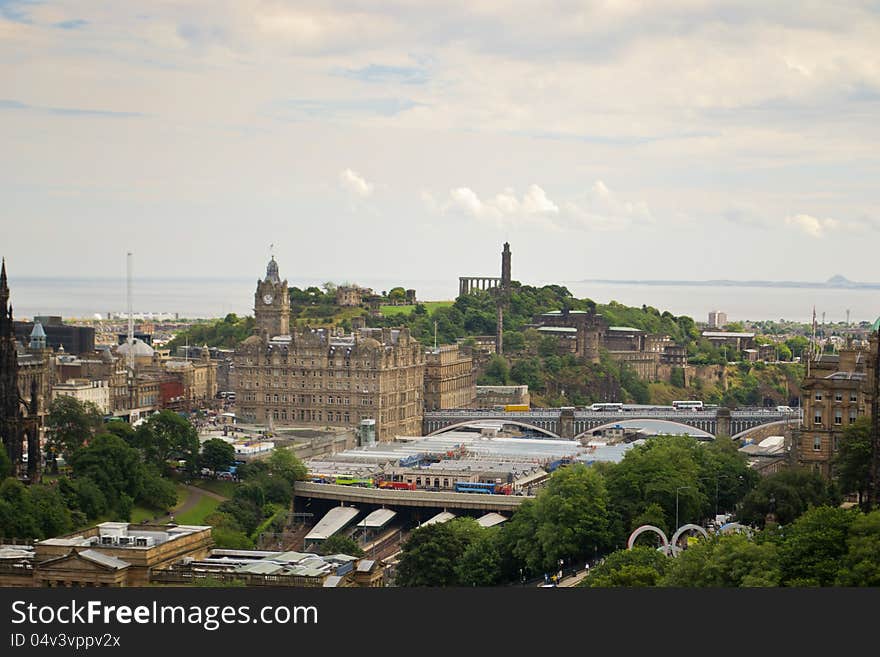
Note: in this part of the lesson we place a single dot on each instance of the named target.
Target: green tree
(283, 463)
(166, 436)
(639, 567)
(480, 563)
(789, 493)
(497, 372)
(430, 556)
(217, 455)
(861, 564)
(731, 561)
(70, 424)
(397, 294)
(814, 546)
(339, 544)
(5, 463)
(573, 521)
(112, 465)
(852, 464)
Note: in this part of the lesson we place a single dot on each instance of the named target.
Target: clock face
(267, 299)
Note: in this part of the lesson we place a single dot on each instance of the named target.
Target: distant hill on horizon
(835, 282)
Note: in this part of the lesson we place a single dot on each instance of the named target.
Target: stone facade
(838, 391)
(318, 377)
(491, 396)
(450, 379)
(84, 390)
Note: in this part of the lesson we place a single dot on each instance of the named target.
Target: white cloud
(536, 202)
(505, 208)
(812, 226)
(602, 209)
(355, 183)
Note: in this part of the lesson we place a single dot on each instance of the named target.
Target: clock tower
(272, 304)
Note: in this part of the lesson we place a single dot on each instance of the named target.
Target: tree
(71, 423)
(480, 564)
(5, 463)
(731, 561)
(217, 455)
(852, 464)
(861, 564)
(639, 567)
(283, 463)
(338, 544)
(497, 372)
(431, 554)
(166, 436)
(814, 545)
(572, 518)
(396, 294)
(115, 467)
(789, 493)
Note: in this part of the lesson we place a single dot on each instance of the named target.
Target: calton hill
(717, 375)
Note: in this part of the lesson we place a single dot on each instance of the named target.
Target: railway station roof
(377, 519)
(443, 516)
(491, 519)
(336, 518)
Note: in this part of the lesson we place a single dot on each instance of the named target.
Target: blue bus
(474, 487)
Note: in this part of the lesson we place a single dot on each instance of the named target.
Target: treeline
(825, 546)
(225, 333)
(108, 469)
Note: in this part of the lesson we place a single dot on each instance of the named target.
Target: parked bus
(688, 404)
(516, 407)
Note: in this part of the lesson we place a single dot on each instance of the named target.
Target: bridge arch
(760, 428)
(614, 423)
(638, 531)
(504, 420)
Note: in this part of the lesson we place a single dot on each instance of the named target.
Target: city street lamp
(676, 504)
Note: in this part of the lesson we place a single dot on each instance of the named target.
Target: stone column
(722, 423)
(565, 429)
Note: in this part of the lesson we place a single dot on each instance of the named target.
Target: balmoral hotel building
(320, 377)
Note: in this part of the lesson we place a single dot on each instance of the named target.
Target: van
(784, 409)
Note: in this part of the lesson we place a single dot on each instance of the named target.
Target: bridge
(571, 423)
(409, 498)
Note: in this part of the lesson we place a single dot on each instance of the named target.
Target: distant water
(214, 297)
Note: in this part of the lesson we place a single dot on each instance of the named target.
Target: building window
(838, 416)
(817, 417)
(853, 397)
(817, 443)
(852, 415)
(838, 396)
(818, 396)
(836, 443)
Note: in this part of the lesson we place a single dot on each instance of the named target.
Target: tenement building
(838, 389)
(450, 379)
(321, 377)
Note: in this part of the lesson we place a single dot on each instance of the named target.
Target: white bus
(607, 407)
(688, 404)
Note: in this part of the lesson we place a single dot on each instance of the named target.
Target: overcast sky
(365, 139)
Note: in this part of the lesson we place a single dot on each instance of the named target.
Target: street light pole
(676, 504)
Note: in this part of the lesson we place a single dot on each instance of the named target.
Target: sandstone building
(838, 390)
(320, 377)
(450, 379)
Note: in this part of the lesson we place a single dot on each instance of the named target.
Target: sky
(409, 139)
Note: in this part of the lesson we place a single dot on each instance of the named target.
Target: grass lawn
(224, 488)
(140, 513)
(430, 306)
(196, 515)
